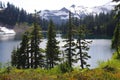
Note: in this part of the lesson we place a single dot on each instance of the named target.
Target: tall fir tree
(20, 55)
(52, 48)
(70, 44)
(36, 54)
(24, 50)
(116, 39)
(29, 54)
(116, 36)
(83, 46)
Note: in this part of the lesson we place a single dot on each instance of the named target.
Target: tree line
(29, 53)
(100, 25)
(11, 15)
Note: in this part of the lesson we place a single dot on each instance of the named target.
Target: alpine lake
(100, 49)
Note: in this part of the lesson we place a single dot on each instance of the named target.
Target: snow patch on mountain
(4, 30)
(62, 13)
(77, 11)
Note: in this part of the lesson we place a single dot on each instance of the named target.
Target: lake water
(100, 49)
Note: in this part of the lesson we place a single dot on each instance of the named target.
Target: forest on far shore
(100, 25)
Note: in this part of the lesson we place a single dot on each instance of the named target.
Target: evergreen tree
(29, 55)
(24, 50)
(14, 58)
(36, 55)
(52, 48)
(117, 9)
(70, 43)
(83, 46)
(2, 5)
(116, 36)
(20, 57)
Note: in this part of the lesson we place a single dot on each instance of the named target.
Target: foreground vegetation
(39, 74)
(109, 70)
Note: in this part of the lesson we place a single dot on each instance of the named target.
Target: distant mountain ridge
(59, 16)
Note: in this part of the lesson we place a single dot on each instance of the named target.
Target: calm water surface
(100, 49)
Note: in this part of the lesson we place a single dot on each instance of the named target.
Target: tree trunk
(80, 52)
(70, 41)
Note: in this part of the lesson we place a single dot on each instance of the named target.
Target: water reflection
(5, 37)
(100, 49)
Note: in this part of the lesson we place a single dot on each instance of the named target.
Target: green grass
(109, 70)
(114, 62)
(39, 74)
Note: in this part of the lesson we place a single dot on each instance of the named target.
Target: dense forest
(100, 25)
(11, 15)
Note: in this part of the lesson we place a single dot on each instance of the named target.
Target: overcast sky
(31, 5)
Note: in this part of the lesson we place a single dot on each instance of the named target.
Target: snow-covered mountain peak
(77, 11)
(64, 9)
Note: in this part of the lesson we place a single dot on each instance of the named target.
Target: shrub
(64, 67)
(108, 68)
